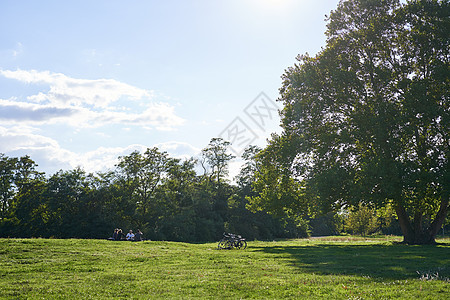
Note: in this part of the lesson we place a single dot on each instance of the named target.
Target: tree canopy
(367, 118)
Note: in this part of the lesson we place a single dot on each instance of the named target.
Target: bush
(362, 220)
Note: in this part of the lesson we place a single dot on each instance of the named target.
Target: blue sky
(83, 82)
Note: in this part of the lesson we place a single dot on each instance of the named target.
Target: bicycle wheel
(224, 244)
(242, 244)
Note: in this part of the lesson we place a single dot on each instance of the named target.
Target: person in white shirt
(130, 235)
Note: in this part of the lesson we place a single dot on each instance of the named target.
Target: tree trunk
(439, 219)
(405, 224)
(413, 233)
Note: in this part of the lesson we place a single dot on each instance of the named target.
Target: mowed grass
(321, 268)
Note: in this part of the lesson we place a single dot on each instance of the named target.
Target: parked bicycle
(230, 241)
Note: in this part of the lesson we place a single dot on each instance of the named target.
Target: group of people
(118, 235)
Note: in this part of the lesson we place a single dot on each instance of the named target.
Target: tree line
(162, 196)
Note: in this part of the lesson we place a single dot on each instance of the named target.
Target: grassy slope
(339, 268)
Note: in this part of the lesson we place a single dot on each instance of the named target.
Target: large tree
(368, 116)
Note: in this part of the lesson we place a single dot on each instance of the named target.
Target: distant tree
(361, 220)
(276, 190)
(74, 209)
(215, 185)
(256, 224)
(140, 175)
(117, 209)
(331, 223)
(31, 209)
(7, 188)
(246, 176)
(368, 119)
(215, 159)
(22, 211)
(175, 202)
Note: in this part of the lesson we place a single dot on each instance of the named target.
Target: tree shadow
(390, 261)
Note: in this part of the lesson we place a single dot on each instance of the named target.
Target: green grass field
(317, 268)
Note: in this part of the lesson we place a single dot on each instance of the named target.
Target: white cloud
(61, 101)
(13, 139)
(159, 115)
(72, 91)
(179, 149)
(13, 111)
(103, 158)
(85, 103)
(51, 157)
(16, 142)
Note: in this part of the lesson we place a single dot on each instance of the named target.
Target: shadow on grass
(390, 261)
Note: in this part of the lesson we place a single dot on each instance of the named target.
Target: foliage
(335, 267)
(361, 220)
(277, 192)
(162, 196)
(367, 119)
(7, 169)
(331, 223)
(387, 220)
(215, 158)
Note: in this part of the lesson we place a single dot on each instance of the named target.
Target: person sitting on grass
(138, 236)
(130, 236)
(119, 235)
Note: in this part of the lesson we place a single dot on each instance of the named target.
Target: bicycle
(230, 241)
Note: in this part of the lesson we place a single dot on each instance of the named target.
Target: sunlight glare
(271, 6)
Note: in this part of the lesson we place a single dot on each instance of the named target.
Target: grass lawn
(316, 268)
